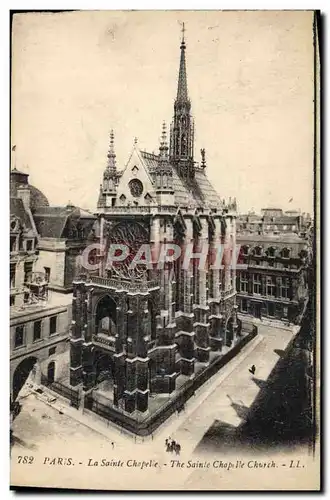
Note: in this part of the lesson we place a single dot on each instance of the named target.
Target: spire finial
(183, 31)
(163, 148)
(111, 153)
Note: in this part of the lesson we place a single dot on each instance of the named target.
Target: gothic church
(135, 333)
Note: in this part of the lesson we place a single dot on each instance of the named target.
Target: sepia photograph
(164, 250)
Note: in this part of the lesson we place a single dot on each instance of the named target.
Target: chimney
(23, 192)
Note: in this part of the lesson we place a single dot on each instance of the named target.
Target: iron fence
(176, 404)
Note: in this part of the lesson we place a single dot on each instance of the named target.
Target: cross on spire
(183, 31)
(182, 94)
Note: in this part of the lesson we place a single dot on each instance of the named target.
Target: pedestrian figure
(252, 369)
(173, 444)
(113, 445)
(177, 449)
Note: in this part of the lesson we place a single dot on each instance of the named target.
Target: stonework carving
(136, 187)
(133, 235)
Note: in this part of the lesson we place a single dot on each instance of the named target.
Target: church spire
(111, 165)
(108, 187)
(163, 148)
(182, 128)
(182, 94)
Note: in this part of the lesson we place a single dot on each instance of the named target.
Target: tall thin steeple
(110, 177)
(163, 148)
(182, 94)
(111, 165)
(182, 128)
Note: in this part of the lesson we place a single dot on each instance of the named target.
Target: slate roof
(51, 221)
(17, 209)
(198, 190)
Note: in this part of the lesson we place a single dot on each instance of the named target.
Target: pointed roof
(111, 165)
(182, 94)
(199, 189)
(163, 148)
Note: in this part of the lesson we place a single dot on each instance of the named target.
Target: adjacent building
(275, 255)
(63, 233)
(43, 246)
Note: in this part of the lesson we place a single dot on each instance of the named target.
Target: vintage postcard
(164, 218)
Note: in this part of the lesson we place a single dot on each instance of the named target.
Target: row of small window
(270, 309)
(270, 252)
(20, 340)
(284, 285)
(273, 227)
(14, 246)
(28, 269)
(268, 263)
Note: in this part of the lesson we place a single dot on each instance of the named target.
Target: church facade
(144, 331)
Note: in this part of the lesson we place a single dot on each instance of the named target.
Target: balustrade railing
(144, 209)
(117, 283)
(227, 293)
(104, 340)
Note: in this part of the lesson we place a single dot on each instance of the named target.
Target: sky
(77, 75)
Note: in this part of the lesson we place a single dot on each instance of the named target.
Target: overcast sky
(250, 79)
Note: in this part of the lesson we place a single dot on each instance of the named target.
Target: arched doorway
(103, 366)
(104, 369)
(21, 374)
(106, 316)
(229, 332)
(51, 372)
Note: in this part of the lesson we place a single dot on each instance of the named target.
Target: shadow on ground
(280, 415)
(16, 441)
(279, 352)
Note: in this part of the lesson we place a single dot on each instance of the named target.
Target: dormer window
(258, 251)
(13, 241)
(303, 254)
(286, 253)
(245, 250)
(29, 245)
(271, 252)
(147, 198)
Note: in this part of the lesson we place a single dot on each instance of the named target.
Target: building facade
(64, 233)
(23, 242)
(145, 331)
(275, 248)
(43, 249)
